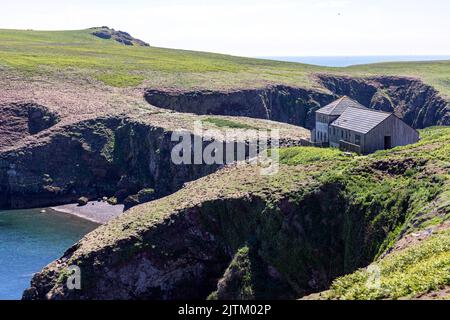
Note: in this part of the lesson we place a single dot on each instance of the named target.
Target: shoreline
(95, 211)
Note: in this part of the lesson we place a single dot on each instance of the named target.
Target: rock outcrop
(120, 36)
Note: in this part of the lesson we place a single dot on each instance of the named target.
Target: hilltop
(121, 37)
(83, 55)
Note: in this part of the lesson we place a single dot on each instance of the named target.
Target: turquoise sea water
(345, 61)
(29, 240)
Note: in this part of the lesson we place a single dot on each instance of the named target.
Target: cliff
(278, 103)
(47, 162)
(237, 234)
(416, 103)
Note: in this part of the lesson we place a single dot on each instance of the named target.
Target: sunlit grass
(408, 273)
(304, 155)
(225, 123)
(34, 51)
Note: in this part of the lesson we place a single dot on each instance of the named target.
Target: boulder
(143, 196)
(112, 201)
(82, 201)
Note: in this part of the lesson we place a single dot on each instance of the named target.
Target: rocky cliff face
(418, 104)
(234, 233)
(108, 156)
(278, 103)
(105, 156)
(114, 157)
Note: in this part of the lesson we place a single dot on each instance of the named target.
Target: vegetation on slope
(306, 155)
(81, 54)
(225, 123)
(435, 73)
(410, 197)
(393, 188)
(418, 269)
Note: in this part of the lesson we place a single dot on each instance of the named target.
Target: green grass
(436, 73)
(120, 80)
(82, 54)
(305, 155)
(224, 123)
(433, 145)
(41, 51)
(416, 270)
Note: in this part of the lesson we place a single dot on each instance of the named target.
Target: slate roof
(337, 107)
(360, 120)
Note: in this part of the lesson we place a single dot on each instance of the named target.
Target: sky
(252, 27)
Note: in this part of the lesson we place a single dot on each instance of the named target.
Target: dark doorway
(387, 142)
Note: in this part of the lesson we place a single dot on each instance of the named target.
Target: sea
(346, 61)
(31, 239)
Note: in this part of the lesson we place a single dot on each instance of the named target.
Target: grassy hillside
(83, 55)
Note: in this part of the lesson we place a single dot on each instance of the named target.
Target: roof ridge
(338, 102)
(373, 110)
(339, 105)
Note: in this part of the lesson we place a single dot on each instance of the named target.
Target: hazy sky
(254, 28)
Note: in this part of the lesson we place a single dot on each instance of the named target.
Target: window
(334, 131)
(357, 139)
(342, 134)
